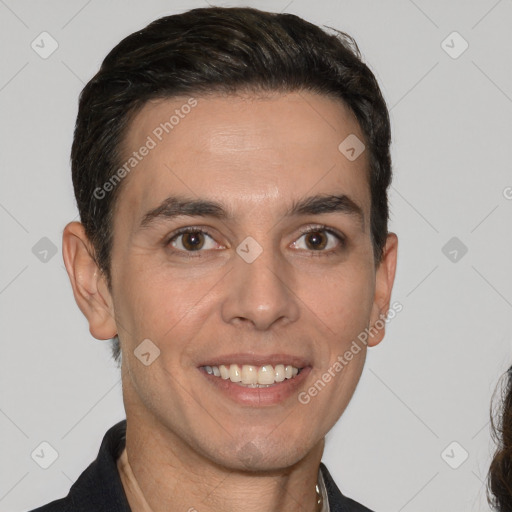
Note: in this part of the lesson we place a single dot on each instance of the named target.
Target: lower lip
(259, 397)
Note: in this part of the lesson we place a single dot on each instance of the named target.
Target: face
(275, 270)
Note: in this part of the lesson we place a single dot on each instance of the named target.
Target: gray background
(428, 384)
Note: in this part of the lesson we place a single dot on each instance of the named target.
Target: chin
(260, 454)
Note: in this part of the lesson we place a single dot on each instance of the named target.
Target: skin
(187, 443)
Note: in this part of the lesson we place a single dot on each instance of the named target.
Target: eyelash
(312, 229)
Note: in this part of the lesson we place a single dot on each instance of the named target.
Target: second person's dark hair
(499, 481)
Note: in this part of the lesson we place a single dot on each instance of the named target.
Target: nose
(260, 293)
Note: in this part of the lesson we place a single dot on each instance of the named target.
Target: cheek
(342, 299)
(161, 305)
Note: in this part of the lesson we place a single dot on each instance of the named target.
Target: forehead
(241, 151)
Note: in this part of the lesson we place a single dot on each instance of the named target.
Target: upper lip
(257, 360)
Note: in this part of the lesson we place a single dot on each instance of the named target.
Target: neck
(161, 474)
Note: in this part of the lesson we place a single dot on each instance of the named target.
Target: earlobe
(89, 285)
(384, 279)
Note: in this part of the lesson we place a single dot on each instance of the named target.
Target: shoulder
(62, 505)
(99, 487)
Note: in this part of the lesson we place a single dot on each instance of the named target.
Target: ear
(88, 282)
(384, 278)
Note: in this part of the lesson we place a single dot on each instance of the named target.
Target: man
(231, 169)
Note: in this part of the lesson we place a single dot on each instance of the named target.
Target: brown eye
(320, 240)
(193, 241)
(316, 240)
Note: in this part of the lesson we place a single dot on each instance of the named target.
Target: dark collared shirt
(99, 487)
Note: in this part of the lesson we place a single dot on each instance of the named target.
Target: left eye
(317, 240)
(192, 241)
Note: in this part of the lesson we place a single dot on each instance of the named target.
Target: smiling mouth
(253, 376)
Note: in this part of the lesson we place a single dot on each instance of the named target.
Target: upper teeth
(253, 375)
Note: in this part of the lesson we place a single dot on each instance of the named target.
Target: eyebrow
(177, 206)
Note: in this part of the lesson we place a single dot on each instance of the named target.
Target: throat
(138, 502)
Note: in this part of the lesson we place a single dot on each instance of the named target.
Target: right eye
(192, 239)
